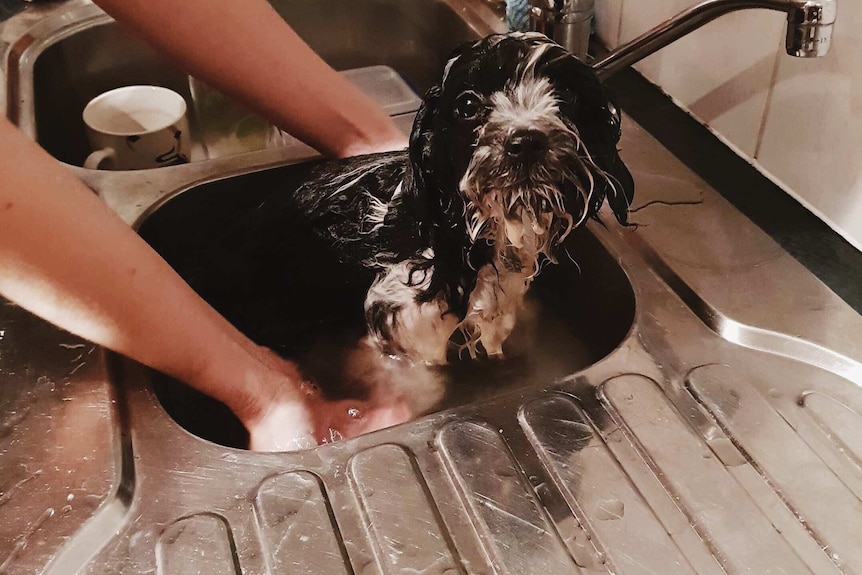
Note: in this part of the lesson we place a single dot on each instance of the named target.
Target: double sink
(686, 399)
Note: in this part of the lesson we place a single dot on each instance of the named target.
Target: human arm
(67, 258)
(246, 50)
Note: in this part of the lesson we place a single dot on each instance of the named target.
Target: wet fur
(446, 237)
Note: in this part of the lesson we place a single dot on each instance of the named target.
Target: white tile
(608, 13)
(812, 142)
(721, 73)
(641, 15)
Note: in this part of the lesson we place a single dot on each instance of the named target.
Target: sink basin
(583, 308)
(77, 69)
(685, 400)
(412, 37)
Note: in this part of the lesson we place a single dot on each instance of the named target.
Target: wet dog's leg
(400, 324)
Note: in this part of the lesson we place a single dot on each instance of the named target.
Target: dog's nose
(526, 143)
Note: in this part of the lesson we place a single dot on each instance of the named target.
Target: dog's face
(524, 132)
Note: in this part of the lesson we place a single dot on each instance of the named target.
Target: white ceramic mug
(137, 127)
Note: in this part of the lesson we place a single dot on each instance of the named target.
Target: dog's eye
(567, 96)
(468, 106)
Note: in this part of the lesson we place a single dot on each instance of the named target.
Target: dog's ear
(421, 141)
(621, 193)
(423, 128)
(601, 123)
(600, 126)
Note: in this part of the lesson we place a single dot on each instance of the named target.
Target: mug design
(172, 157)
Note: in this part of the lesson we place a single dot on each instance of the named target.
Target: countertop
(803, 235)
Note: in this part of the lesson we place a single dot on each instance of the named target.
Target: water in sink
(577, 313)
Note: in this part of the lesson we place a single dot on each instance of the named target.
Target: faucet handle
(567, 22)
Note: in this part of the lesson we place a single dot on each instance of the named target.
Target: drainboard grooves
(740, 536)
(832, 513)
(401, 518)
(516, 533)
(296, 527)
(199, 543)
(841, 423)
(593, 483)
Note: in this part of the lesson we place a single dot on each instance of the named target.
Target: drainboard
(693, 406)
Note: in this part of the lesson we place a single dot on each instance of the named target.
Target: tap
(809, 29)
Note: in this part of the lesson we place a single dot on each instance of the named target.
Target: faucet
(809, 29)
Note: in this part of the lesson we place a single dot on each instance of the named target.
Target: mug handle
(95, 160)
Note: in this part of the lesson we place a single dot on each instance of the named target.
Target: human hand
(299, 417)
(292, 426)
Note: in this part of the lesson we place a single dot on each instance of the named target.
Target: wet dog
(437, 246)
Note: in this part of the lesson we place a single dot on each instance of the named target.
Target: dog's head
(526, 133)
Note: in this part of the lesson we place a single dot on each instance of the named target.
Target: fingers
(299, 417)
(287, 426)
(293, 427)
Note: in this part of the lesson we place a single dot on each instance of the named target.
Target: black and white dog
(514, 148)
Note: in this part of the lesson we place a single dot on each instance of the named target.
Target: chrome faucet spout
(809, 29)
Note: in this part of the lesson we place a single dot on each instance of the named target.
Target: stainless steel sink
(76, 69)
(584, 307)
(699, 410)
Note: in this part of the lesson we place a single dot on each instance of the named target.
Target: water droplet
(726, 451)
(70, 497)
(505, 470)
(45, 383)
(309, 388)
(583, 552)
(610, 509)
(354, 413)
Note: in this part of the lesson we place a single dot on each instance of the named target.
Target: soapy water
(547, 344)
(542, 349)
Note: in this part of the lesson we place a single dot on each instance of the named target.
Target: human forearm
(246, 50)
(67, 258)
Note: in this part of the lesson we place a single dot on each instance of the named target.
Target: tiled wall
(798, 120)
